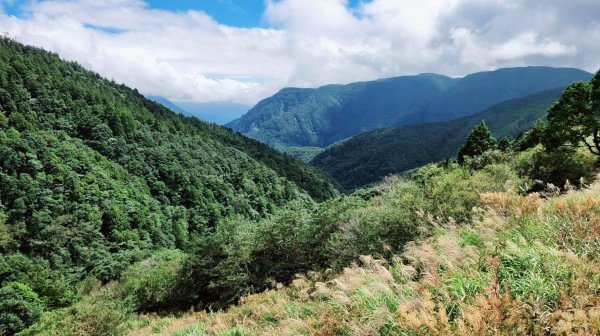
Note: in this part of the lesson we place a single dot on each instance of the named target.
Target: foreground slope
(92, 174)
(320, 117)
(529, 266)
(368, 157)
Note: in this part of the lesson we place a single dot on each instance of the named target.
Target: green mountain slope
(320, 117)
(368, 157)
(92, 174)
(476, 92)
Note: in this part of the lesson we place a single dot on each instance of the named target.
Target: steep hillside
(368, 157)
(529, 267)
(478, 91)
(457, 239)
(93, 175)
(320, 117)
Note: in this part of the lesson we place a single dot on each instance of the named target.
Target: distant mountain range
(320, 117)
(219, 113)
(368, 157)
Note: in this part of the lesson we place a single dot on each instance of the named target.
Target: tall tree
(480, 140)
(575, 118)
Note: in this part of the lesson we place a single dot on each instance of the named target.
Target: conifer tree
(480, 140)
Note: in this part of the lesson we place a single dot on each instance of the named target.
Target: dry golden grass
(449, 284)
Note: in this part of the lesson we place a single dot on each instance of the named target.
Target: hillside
(368, 157)
(319, 117)
(445, 242)
(528, 267)
(93, 176)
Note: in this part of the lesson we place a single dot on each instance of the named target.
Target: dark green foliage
(530, 138)
(320, 117)
(575, 118)
(556, 166)
(305, 154)
(94, 177)
(368, 157)
(245, 257)
(504, 144)
(20, 307)
(52, 286)
(479, 141)
(154, 283)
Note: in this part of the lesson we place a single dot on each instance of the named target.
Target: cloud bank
(187, 55)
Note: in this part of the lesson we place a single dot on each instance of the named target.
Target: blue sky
(245, 50)
(245, 13)
(237, 13)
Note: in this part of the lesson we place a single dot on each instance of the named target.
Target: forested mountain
(320, 117)
(368, 157)
(92, 174)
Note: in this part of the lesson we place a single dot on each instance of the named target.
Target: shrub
(101, 312)
(486, 158)
(154, 282)
(51, 286)
(555, 167)
(451, 191)
(20, 307)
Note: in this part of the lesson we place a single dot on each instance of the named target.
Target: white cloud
(190, 56)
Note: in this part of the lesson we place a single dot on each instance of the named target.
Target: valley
(411, 205)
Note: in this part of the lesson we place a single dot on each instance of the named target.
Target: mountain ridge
(318, 117)
(369, 156)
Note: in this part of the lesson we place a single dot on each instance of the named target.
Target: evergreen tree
(479, 141)
(503, 144)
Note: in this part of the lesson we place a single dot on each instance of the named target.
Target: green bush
(99, 313)
(154, 282)
(555, 166)
(20, 307)
(450, 190)
(391, 224)
(51, 286)
(486, 158)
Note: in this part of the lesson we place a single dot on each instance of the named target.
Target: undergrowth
(528, 266)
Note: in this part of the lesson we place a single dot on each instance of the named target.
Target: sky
(242, 51)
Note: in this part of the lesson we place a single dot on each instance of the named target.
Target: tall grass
(529, 266)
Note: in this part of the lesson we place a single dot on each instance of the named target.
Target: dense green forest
(319, 117)
(368, 157)
(94, 177)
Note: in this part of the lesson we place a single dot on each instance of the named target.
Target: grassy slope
(368, 157)
(529, 266)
